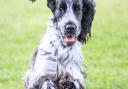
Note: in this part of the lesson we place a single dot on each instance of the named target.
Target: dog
(58, 62)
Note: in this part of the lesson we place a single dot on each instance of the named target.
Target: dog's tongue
(70, 39)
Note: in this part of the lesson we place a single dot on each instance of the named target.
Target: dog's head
(73, 18)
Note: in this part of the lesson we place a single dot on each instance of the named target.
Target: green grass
(106, 54)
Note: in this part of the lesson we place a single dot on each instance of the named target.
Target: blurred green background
(22, 24)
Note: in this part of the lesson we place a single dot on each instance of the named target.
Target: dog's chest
(64, 54)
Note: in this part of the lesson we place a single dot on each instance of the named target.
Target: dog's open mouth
(69, 40)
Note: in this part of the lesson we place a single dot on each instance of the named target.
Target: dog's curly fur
(66, 81)
(57, 62)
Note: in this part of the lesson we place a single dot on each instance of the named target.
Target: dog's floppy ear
(86, 22)
(52, 5)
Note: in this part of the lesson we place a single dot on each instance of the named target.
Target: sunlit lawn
(106, 54)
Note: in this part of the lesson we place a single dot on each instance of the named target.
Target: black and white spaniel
(58, 61)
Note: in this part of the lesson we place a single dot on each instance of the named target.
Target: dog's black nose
(70, 28)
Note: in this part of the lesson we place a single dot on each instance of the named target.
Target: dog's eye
(61, 9)
(76, 7)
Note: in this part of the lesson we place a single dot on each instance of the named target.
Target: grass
(106, 54)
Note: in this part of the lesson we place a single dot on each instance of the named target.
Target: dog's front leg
(67, 82)
(42, 74)
(74, 77)
(45, 83)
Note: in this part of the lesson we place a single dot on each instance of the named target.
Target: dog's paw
(44, 83)
(67, 85)
(47, 85)
(67, 82)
